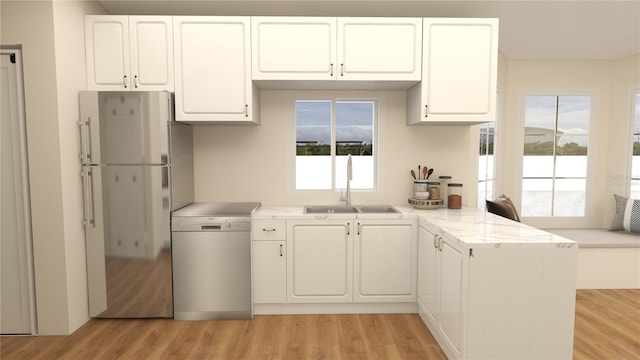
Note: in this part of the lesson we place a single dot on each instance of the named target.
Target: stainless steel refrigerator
(137, 168)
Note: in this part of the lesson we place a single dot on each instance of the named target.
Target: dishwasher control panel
(210, 223)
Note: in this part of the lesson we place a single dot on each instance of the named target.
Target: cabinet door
(459, 75)
(293, 48)
(269, 272)
(428, 273)
(320, 261)
(151, 39)
(452, 276)
(384, 261)
(379, 48)
(107, 51)
(212, 63)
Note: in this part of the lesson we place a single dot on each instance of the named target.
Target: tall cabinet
(213, 70)
(129, 53)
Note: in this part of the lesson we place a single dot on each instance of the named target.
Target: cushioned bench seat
(606, 259)
(599, 238)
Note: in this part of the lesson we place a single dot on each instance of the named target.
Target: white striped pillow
(627, 215)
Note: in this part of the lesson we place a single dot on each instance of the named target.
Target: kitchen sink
(319, 209)
(382, 209)
(337, 209)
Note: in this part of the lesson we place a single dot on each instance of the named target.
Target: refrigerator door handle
(89, 201)
(85, 140)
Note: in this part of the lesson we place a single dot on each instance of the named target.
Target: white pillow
(627, 215)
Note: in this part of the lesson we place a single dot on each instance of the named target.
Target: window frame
(635, 102)
(493, 177)
(291, 140)
(589, 214)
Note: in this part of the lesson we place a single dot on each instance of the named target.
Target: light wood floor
(607, 327)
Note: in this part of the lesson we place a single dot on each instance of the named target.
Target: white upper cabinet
(293, 48)
(212, 70)
(129, 53)
(459, 73)
(379, 49)
(327, 48)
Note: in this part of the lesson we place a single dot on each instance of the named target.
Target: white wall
(71, 78)
(250, 163)
(53, 48)
(609, 81)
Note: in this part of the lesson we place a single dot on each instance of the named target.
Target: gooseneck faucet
(349, 178)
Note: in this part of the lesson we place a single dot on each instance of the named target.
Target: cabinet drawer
(268, 229)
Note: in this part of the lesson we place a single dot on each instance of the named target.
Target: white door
(320, 262)
(428, 263)
(107, 50)
(212, 69)
(450, 314)
(15, 249)
(460, 69)
(384, 261)
(379, 49)
(293, 48)
(269, 263)
(151, 39)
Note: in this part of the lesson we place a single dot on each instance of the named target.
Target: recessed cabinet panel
(320, 262)
(269, 261)
(293, 48)
(450, 311)
(212, 63)
(379, 48)
(458, 62)
(428, 272)
(107, 46)
(459, 73)
(152, 58)
(384, 261)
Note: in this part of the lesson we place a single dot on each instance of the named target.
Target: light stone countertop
(471, 226)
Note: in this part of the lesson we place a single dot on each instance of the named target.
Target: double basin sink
(336, 209)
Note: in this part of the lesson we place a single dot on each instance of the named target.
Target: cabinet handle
(341, 69)
(435, 241)
(135, 81)
(426, 111)
(281, 249)
(331, 69)
(348, 228)
(246, 110)
(269, 230)
(124, 81)
(358, 228)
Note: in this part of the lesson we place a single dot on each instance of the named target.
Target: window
(326, 132)
(635, 158)
(486, 161)
(554, 168)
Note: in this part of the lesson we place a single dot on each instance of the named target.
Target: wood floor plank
(607, 326)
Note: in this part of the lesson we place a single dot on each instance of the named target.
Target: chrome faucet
(349, 178)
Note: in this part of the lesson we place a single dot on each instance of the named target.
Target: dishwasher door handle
(211, 227)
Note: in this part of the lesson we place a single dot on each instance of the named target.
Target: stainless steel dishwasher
(211, 253)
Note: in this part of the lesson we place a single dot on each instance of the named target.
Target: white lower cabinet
(320, 262)
(269, 261)
(496, 301)
(385, 260)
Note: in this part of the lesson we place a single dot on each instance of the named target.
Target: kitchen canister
(434, 190)
(420, 189)
(455, 196)
(444, 185)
